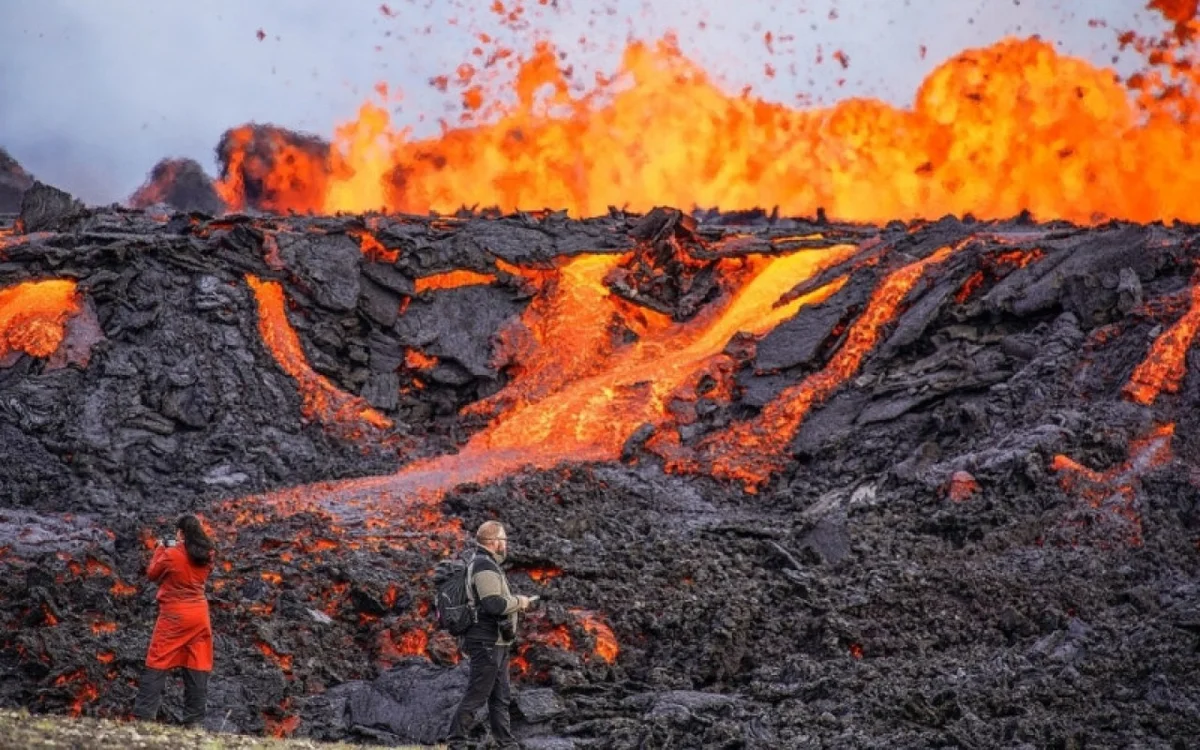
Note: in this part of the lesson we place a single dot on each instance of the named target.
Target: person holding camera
(183, 633)
(488, 643)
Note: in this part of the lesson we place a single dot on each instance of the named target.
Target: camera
(168, 542)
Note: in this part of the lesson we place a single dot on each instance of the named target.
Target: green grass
(24, 730)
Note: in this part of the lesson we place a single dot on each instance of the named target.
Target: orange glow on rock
(97, 568)
(122, 589)
(34, 315)
(281, 728)
(1166, 364)
(283, 661)
(372, 248)
(606, 642)
(1118, 485)
(415, 359)
(413, 643)
(961, 487)
(322, 400)
(751, 451)
(543, 575)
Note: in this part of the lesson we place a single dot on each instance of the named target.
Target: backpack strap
(471, 590)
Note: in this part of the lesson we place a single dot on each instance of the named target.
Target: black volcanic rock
(14, 181)
(45, 208)
(181, 184)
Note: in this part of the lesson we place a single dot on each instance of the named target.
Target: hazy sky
(94, 92)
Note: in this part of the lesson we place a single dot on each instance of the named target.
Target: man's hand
(525, 602)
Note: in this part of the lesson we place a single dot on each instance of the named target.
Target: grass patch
(19, 728)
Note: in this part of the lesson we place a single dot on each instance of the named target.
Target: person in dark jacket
(182, 634)
(488, 643)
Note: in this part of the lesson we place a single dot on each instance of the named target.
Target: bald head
(489, 531)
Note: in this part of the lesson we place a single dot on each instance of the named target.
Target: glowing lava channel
(1165, 365)
(321, 399)
(752, 451)
(1161, 371)
(581, 399)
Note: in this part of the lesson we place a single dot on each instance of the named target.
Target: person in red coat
(183, 633)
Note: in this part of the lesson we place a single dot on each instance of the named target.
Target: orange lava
(751, 451)
(578, 394)
(281, 727)
(1166, 364)
(101, 628)
(415, 359)
(1117, 487)
(453, 280)
(283, 661)
(322, 400)
(542, 575)
(961, 487)
(122, 589)
(413, 643)
(34, 315)
(606, 642)
(372, 248)
(993, 131)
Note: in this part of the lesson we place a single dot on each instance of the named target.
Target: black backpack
(454, 604)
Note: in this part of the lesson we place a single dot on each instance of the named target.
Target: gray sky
(94, 92)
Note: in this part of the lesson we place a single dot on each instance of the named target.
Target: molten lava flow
(613, 390)
(322, 400)
(453, 280)
(751, 451)
(1164, 367)
(994, 131)
(34, 315)
(1162, 370)
(581, 395)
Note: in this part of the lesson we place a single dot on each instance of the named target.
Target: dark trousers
(489, 684)
(150, 693)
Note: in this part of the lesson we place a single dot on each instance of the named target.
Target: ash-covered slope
(789, 483)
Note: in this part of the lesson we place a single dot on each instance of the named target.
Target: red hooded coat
(183, 634)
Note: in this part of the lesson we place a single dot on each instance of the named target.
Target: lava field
(779, 482)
